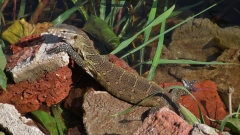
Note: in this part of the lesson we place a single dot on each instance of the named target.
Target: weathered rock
(33, 61)
(14, 123)
(200, 39)
(164, 122)
(99, 106)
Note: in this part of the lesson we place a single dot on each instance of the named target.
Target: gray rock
(34, 66)
(14, 123)
(202, 129)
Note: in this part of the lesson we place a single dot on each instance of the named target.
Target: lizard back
(117, 81)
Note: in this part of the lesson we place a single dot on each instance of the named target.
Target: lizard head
(67, 32)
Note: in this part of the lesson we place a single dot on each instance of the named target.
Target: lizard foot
(64, 47)
(59, 47)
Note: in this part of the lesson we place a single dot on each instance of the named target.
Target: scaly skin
(117, 81)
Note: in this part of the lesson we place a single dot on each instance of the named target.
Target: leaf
(13, 33)
(101, 31)
(3, 79)
(17, 30)
(47, 121)
(3, 61)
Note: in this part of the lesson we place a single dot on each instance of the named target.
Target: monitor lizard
(117, 81)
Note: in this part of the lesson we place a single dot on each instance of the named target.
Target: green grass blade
(102, 9)
(1, 1)
(67, 13)
(121, 21)
(60, 124)
(159, 48)
(82, 9)
(115, 7)
(22, 9)
(147, 32)
(225, 120)
(183, 61)
(188, 116)
(156, 21)
(156, 37)
(238, 111)
(130, 19)
(178, 11)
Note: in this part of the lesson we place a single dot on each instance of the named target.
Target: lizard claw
(189, 84)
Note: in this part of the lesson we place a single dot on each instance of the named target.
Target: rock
(121, 63)
(202, 129)
(31, 61)
(50, 89)
(74, 131)
(209, 101)
(13, 122)
(164, 122)
(99, 106)
(200, 39)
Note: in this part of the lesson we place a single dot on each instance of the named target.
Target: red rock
(50, 89)
(164, 122)
(121, 63)
(209, 101)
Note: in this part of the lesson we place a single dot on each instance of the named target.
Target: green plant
(3, 78)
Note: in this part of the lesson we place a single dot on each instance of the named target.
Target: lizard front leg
(64, 47)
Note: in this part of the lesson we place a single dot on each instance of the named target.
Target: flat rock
(99, 106)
